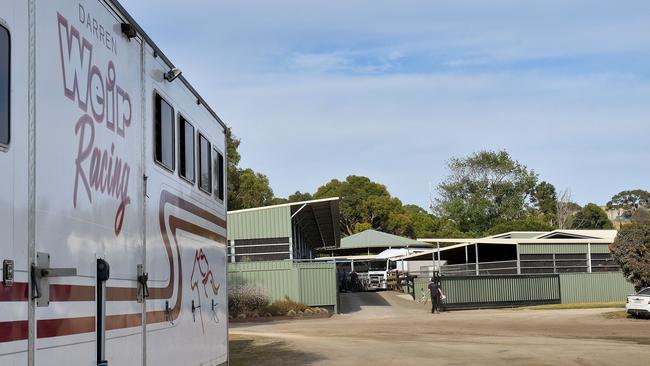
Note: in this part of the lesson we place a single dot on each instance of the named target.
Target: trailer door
(89, 239)
(13, 193)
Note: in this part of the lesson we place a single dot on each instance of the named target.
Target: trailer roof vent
(129, 30)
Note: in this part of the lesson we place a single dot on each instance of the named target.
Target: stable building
(558, 251)
(371, 243)
(292, 231)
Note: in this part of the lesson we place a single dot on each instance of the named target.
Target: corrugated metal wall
(496, 291)
(274, 222)
(311, 283)
(600, 248)
(594, 287)
(318, 283)
(566, 248)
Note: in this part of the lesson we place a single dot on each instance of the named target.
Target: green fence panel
(471, 292)
(594, 287)
(317, 283)
(311, 283)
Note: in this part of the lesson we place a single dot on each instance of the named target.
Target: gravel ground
(387, 329)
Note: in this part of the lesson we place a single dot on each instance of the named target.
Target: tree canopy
(295, 197)
(366, 202)
(591, 217)
(630, 199)
(544, 199)
(631, 250)
(528, 224)
(635, 205)
(484, 189)
(246, 188)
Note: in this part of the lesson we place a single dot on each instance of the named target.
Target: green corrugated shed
(561, 248)
(600, 248)
(594, 287)
(271, 222)
(377, 239)
(311, 283)
(550, 248)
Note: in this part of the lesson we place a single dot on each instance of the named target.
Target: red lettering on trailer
(96, 169)
(100, 170)
(84, 83)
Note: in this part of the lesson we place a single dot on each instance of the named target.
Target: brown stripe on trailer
(13, 331)
(48, 328)
(62, 293)
(122, 321)
(15, 292)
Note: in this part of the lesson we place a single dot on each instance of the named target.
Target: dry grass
(587, 305)
(616, 315)
(260, 351)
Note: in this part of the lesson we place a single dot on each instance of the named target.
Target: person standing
(435, 289)
(354, 279)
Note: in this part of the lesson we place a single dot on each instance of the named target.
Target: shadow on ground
(351, 302)
(254, 351)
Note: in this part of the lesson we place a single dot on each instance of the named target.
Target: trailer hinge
(143, 287)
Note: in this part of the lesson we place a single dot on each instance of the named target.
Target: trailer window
(218, 170)
(164, 130)
(186, 149)
(4, 85)
(205, 174)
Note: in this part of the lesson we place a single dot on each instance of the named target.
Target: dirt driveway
(386, 329)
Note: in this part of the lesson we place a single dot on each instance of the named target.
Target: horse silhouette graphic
(202, 282)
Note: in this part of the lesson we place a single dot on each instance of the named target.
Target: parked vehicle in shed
(112, 198)
(375, 275)
(639, 305)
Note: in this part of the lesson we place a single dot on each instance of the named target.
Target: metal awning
(442, 249)
(318, 220)
(388, 254)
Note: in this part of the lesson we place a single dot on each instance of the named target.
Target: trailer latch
(8, 272)
(143, 286)
(41, 274)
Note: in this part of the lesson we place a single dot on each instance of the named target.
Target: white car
(639, 305)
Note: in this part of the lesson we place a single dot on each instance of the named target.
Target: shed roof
(537, 237)
(377, 239)
(318, 219)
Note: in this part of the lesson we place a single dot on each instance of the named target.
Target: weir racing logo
(105, 109)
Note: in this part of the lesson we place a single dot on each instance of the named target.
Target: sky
(392, 90)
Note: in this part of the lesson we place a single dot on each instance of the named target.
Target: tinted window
(186, 149)
(4, 86)
(218, 170)
(205, 174)
(645, 292)
(164, 129)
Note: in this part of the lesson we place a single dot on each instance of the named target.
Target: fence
(311, 283)
(594, 287)
(473, 292)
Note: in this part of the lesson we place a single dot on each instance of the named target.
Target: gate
(476, 292)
